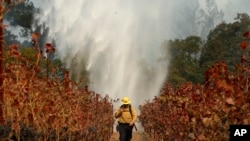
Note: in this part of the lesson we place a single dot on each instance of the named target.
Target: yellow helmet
(125, 100)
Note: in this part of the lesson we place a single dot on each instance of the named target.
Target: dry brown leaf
(201, 137)
(230, 101)
(191, 135)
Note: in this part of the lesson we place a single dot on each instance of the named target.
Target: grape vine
(48, 108)
(202, 111)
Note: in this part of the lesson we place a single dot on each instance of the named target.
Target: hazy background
(119, 41)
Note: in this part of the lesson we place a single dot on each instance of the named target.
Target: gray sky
(37, 2)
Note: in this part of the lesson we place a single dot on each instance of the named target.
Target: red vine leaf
(35, 36)
(243, 45)
(49, 48)
(246, 34)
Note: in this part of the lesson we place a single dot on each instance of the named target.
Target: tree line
(190, 57)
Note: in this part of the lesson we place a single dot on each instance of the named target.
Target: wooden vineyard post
(66, 81)
(1, 64)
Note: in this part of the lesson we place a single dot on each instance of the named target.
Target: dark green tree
(222, 43)
(22, 15)
(10, 38)
(184, 63)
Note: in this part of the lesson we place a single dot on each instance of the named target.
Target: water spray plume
(119, 41)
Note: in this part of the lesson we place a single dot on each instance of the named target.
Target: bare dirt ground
(137, 136)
